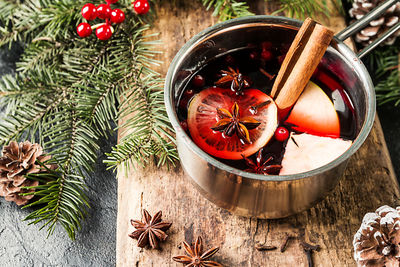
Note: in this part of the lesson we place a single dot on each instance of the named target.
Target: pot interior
(223, 38)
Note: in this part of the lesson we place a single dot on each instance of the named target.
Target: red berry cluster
(102, 11)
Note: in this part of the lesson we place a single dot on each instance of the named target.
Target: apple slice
(305, 152)
(315, 113)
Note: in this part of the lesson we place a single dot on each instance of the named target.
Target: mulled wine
(227, 110)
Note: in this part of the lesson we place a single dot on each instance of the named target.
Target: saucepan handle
(361, 23)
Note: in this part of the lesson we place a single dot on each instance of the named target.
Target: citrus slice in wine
(314, 113)
(203, 115)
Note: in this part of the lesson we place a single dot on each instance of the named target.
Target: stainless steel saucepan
(257, 195)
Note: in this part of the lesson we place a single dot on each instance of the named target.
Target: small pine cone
(17, 161)
(376, 27)
(377, 242)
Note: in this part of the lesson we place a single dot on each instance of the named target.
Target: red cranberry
(84, 29)
(184, 125)
(89, 11)
(103, 11)
(189, 93)
(198, 81)
(266, 55)
(284, 48)
(230, 60)
(281, 58)
(104, 32)
(254, 55)
(281, 134)
(141, 7)
(111, 1)
(117, 16)
(266, 46)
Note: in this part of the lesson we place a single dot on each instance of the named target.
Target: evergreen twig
(383, 63)
(69, 92)
(301, 9)
(227, 9)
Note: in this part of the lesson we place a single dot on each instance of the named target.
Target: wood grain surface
(368, 183)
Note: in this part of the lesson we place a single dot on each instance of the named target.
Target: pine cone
(376, 27)
(377, 242)
(17, 161)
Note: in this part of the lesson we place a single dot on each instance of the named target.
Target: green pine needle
(62, 201)
(300, 9)
(383, 64)
(227, 9)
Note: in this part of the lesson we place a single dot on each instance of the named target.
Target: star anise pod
(235, 78)
(150, 231)
(195, 257)
(261, 166)
(231, 123)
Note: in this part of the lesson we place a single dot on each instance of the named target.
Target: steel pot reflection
(250, 194)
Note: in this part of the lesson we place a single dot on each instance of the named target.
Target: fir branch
(388, 90)
(144, 137)
(25, 106)
(227, 9)
(39, 55)
(382, 60)
(71, 141)
(67, 95)
(62, 200)
(40, 18)
(384, 63)
(301, 9)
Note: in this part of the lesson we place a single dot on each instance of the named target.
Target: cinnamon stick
(300, 62)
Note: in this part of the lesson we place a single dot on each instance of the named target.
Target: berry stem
(97, 25)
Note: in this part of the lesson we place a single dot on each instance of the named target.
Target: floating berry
(111, 1)
(84, 29)
(230, 60)
(184, 125)
(198, 81)
(103, 11)
(117, 16)
(89, 11)
(103, 32)
(266, 45)
(189, 93)
(281, 134)
(281, 58)
(266, 55)
(254, 55)
(141, 6)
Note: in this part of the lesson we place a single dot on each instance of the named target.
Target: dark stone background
(24, 245)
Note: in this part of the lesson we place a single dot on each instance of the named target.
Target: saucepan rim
(351, 57)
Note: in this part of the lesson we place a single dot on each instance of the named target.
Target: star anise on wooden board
(195, 257)
(235, 78)
(261, 166)
(151, 230)
(231, 123)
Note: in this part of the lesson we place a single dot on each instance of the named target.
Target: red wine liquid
(259, 63)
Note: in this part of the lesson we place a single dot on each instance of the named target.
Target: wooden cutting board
(368, 183)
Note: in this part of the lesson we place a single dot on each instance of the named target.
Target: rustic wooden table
(368, 183)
